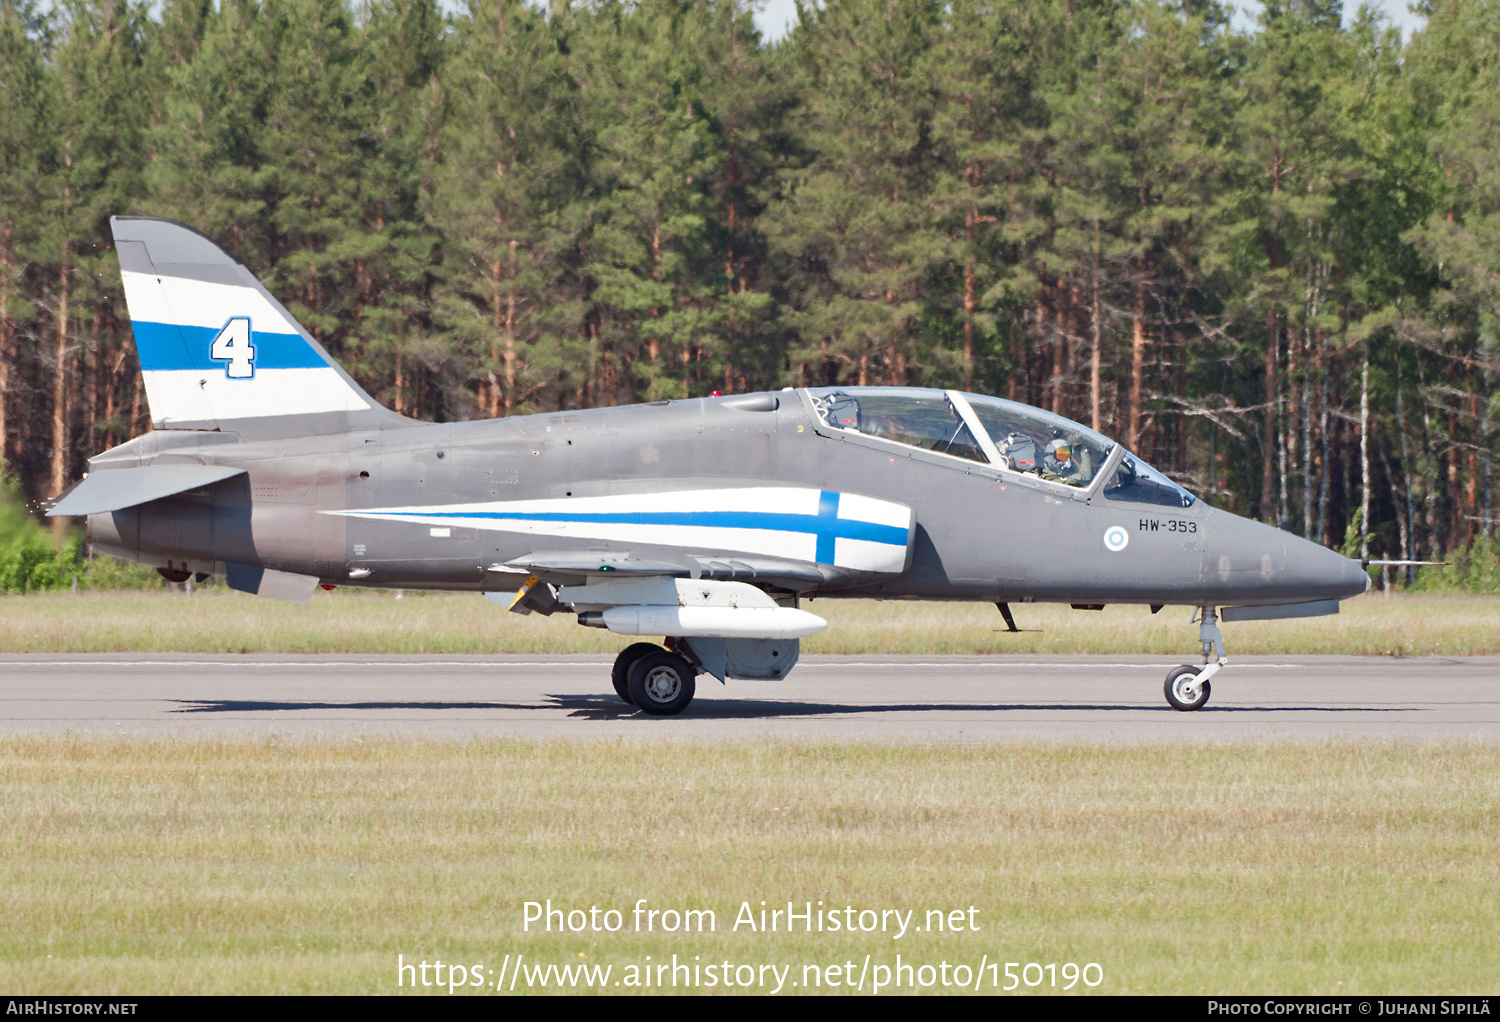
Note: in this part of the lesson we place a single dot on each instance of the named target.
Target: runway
(967, 699)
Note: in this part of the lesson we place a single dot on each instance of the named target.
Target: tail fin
(218, 352)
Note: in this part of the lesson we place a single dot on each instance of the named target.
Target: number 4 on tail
(233, 345)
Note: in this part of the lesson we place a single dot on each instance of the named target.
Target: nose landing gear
(1184, 691)
(1188, 688)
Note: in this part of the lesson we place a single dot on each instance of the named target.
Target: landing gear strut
(1188, 688)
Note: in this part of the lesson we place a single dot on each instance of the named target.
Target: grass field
(135, 866)
(346, 621)
(262, 866)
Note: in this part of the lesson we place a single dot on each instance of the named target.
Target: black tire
(662, 683)
(620, 673)
(1182, 700)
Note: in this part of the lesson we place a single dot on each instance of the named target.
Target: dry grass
(260, 866)
(218, 621)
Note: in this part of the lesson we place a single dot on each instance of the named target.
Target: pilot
(1059, 463)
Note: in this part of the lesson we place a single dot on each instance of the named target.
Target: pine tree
(989, 132)
(279, 141)
(1141, 154)
(745, 99)
(856, 229)
(646, 261)
(96, 158)
(513, 156)
(1294, 146)
(1453, 66)
(24, 136)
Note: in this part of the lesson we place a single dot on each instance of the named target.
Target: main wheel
(1184, 691)
(662, 683)
(620, 673)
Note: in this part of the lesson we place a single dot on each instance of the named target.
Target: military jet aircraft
(707, 521)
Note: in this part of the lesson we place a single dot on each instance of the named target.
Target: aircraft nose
(1263, 564)
(1321, 573)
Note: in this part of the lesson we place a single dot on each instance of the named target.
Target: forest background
(1268, 260)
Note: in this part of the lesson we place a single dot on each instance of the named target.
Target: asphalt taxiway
(924, 698)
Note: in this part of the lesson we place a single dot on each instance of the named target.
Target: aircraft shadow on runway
(609, 708)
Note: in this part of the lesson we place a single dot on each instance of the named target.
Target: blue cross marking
(827, 531)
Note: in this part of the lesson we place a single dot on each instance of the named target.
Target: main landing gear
(1188, 688)
(659, 682)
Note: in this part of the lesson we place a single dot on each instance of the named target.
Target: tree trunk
(1409, 526)
(1018, 356)
(135, 404)
(1471, 487)
(1429, 503)
(1137, 363)
(5, 345)
(1095, 355)
(1059, 352)
(1281, 465)
(508, 401)
(1289, 423)
(971, 302)
(1043, 317)
(1489, 475)
(1268, 437)
(1184, 424)
(1452, 492)
(971, 298)
(1071, 337)
(1364, 454)
(1307, 455)
(1323, 470)
(399, 402)
(609, 386)
(94, 357)
(497, 276)
(60, 393)
(1390, 475)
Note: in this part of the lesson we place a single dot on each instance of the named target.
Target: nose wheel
(1187, 688)
(1184, 689)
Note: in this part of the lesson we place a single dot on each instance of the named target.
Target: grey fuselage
(981, 533)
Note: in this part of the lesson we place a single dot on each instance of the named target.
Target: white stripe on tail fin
(218, 352)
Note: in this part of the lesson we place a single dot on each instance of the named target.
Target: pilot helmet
(1060, 449)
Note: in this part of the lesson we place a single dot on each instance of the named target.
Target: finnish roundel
(1116, 538)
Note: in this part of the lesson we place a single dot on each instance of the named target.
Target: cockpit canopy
(1006, 435)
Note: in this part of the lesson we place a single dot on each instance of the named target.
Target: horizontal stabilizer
(117, 489)
(1278, 611)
